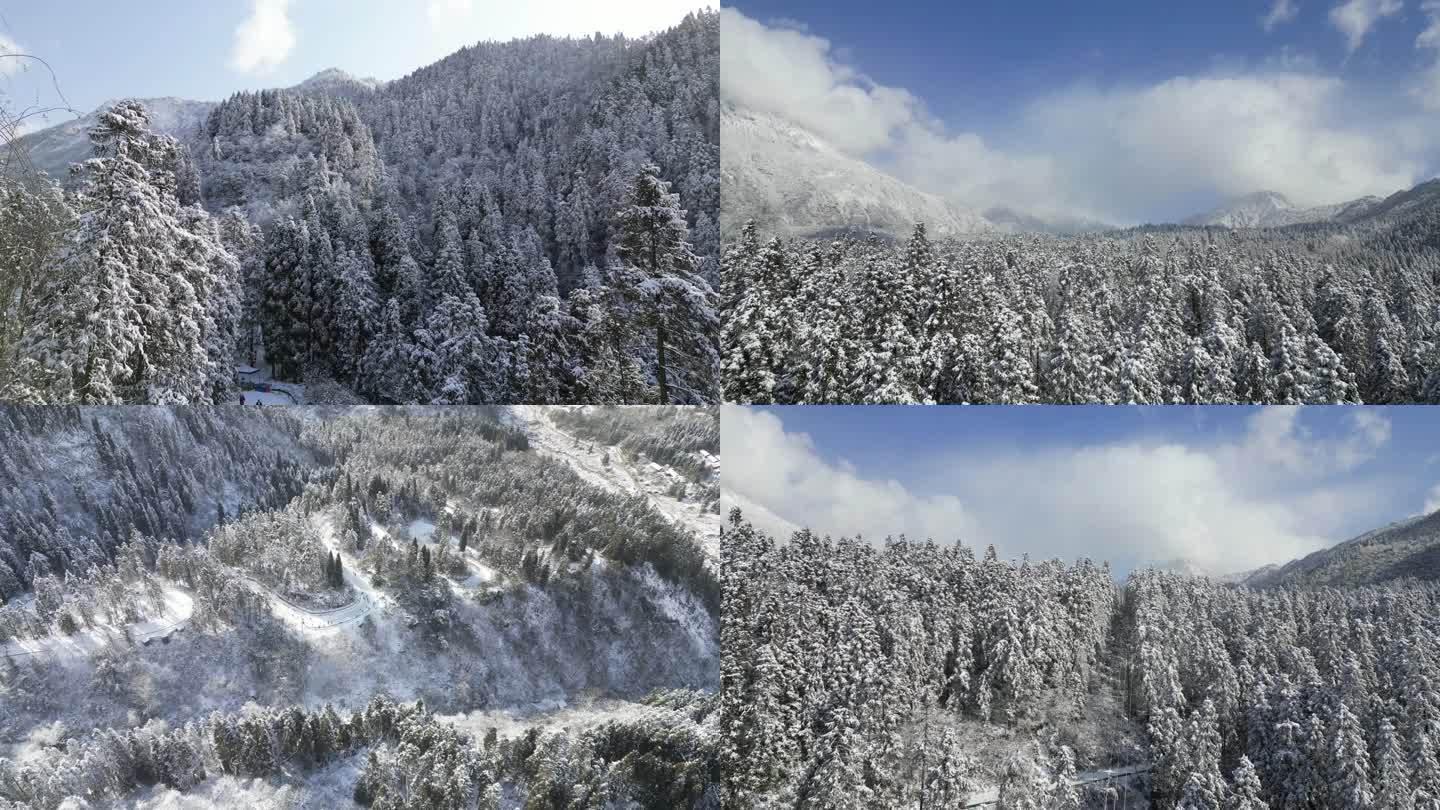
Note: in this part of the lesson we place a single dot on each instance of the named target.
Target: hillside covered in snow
(1311, 313)
(792, 183)
(477, 231)
(914, 673)
(379, 605)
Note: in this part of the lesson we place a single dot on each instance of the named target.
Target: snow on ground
(328, 786)
(315, 619)
(280, 393)
(681, 606)
(266, 398)
(424, 532)
(178, 609)
(583, 713)
(648, 479)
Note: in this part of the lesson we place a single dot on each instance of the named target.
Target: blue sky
(1042, 85)
(208, 50)
(1226, 487)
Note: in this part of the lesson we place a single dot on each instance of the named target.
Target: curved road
(619, 476)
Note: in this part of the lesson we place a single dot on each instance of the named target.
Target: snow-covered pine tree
(143, 293)
(656, 275)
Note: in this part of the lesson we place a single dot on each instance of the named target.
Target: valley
(425, 565)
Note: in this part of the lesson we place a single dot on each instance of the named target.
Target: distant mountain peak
(1271, 209)
(335, 77)
(792, 182)
(1273, 199)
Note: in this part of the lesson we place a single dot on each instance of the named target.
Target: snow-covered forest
(395, 607)
(1307, 314)
(532, 221)
(912, 674)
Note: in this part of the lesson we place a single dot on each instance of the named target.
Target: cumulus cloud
(1132, 149)
(788, 72)
(1282, 11)
(265, 38)
(1269, 495)
(9, 65)
(1118, 153)
(1355, 18)
(788, 482)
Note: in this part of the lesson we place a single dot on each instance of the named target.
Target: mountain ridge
(1271, 209)
(793, 183)
(54, 148)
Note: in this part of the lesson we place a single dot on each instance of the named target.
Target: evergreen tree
(657, 273)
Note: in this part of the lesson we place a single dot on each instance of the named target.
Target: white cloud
(1132, 149)
(1118, 153)
(1355, 18)
(1282, 11)
(781, 474)
(1427, 89)
(1270, 495)
(9, 65)
(265, 38)
(1277, 443)
(444, 13)
(788, 72)
(1432, 501)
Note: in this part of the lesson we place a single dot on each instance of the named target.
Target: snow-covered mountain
(1008, 219)
(1183, 566)
(336, 82)
(1404, 549)
(54, 148)
(1270, 209)
(791, 182)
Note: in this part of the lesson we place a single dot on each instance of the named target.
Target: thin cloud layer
(1427, 90)
(9, 64)
(1269, 496)
(1282, 11)
(1118, 153)
(1355, 18)
(264, 39)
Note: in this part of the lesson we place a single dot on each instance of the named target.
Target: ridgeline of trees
(1322, 314)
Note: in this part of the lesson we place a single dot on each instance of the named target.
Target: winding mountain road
(619, 476)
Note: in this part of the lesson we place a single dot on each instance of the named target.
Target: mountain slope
(1270, 209)
(336, 82)
(792, 182)
(1406, 548)
(53, 149)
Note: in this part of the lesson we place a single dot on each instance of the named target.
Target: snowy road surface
(266, 398)
(178, 609)
(619, 476)
(307, 618)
